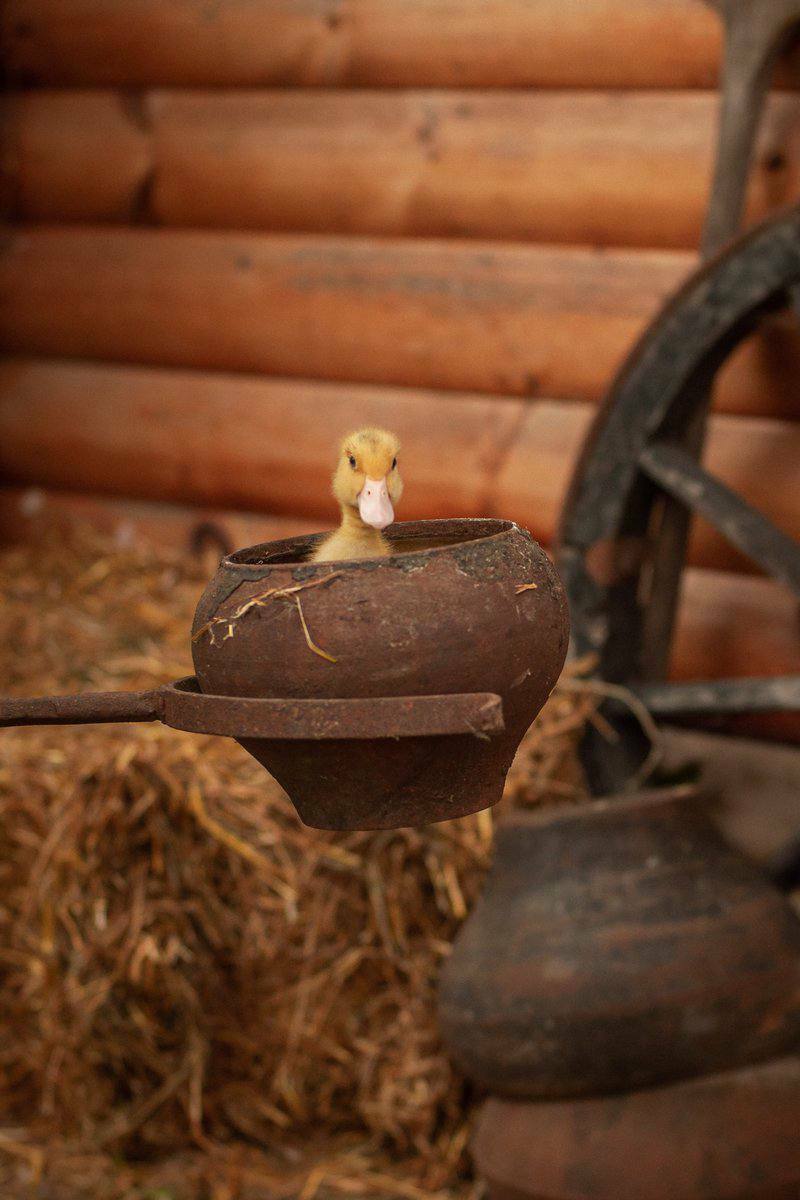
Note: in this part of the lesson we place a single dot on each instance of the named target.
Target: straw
(190, 975)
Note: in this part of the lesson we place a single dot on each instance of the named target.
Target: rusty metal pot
(463, 607)
(731, 1136)
(620, 944)
(436, 660)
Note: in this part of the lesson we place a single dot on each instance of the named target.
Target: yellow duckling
(367, 485)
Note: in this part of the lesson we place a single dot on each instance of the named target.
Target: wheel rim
(640, 456)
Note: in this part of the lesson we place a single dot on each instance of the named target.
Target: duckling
(367, 485)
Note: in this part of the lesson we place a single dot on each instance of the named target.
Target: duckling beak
(374, 505)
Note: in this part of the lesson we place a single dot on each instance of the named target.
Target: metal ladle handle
(181, 705)
(90, 708)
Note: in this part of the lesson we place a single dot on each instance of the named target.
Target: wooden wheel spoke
(717, 696)
(677, 473)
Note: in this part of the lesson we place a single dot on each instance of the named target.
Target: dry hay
(185, 964)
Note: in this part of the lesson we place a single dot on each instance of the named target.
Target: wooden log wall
(237, 228)
(586, 168)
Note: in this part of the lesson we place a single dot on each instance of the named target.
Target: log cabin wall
(240, 226)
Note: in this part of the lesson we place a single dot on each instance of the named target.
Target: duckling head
(367, 477)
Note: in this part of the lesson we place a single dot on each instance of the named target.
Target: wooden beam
(510, 43)
(556, 167)
(238, 442)
(74, 156)
(28, 514)
(428, 314)
(514, 319)
(755, 457)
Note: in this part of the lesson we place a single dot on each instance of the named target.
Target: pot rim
(472, 530)
(625, 802)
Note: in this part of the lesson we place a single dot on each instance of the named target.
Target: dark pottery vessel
(619, 944)
(463, 607)
(731, 1136)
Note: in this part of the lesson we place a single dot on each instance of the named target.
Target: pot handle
(88, 708)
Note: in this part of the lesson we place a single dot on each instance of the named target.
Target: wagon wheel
(636, 466)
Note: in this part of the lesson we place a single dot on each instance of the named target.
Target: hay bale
(185, 963)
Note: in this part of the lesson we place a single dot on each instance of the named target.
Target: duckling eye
(352, 461)
(394, 463)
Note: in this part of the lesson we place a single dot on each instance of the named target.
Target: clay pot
(450, 613)
(620, 944)
(732, 1136)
